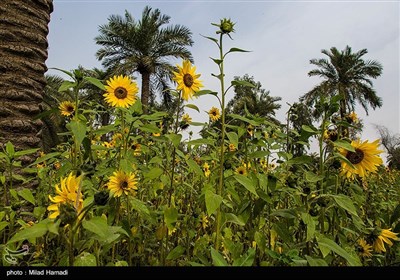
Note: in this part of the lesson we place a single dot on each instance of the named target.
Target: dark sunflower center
(188, 80)
(214, 113)
(70, 109)
(241, 171)
(124, 185)
(120, 93)
(355, 157)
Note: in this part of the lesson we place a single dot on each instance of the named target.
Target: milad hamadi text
(37, 272)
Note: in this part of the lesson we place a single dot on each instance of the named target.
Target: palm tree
(23, 52)
(255, 99)
(143, 46)
(347, 74)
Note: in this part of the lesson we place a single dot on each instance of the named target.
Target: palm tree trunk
(23, 52)
(145, 91)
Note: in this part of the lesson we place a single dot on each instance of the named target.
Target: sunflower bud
(226, 26)
(67, 213)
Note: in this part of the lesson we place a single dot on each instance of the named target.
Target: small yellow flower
(232, 147)
(186, 118)
(352, 118)
(137, 148)
(241, 170)
(122, 183)
(206, 169)
(121, 92)
(187, 79)
(364, 248)
(214, 114)
(67, 108)
(250, 130)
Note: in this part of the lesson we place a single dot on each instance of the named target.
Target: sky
(281, 37)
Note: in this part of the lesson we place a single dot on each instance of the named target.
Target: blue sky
(282, 36)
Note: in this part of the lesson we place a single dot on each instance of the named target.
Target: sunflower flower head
(352, 118)
(206, 169)
(364, 249)
(67, 108)
(214, 114)
(241, 170)
(225, 26)
(69, 195)
(379, 237)
(121, 92)
(122, 183)
(187, 79)
(365, 159)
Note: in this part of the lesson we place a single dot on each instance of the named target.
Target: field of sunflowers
(137, 193)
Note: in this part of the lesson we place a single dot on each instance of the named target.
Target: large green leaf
(233, 138)
(139, 206)
(176, 252)
(246, 260)
(194, 167)
(27, 195)
(78, 129)
(346, 203)
(344, 145)
(35, 231)
(213, 201)
(329, 244)
(315, 262)
(218, 259)
(170, 216)
(175, 138)
(95, 82)
(153, 173)
(247, 183)
(85, 259)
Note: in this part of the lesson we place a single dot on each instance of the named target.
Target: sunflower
(137, 148)
(186, 118)
(187, 79)
(206, 169)
(67, 108)
(365, 158)
(383, 237)
(232, 147)
(364, 248)
(67, 194)
(352, 118)
(214, 114)
(241, 170)
(121, 92)
(122, 183)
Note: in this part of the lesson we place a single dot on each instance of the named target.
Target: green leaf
(213, 201)
(235, 50)
(27, 195)
(309, 221)
(344, 145)
(247, 183)
(192, 106)
(175, 138)
(395, 215)
(218, 259)
(78, 130)
(346, 203)
(3, 224)
(309, 129)
(64, 71)
(10, 149)
(139, 206)
(148, 127)
(212, 39)
(233, 138)
(329, 244)
(300, 160)
(242, 83)
(170, 216)
(66, 85)
(194, 167)
(259, 154)
(246, 260)
(343, 158)
(232, 218)
(25, 152)
(286, 213)
(239, 117)
(312, 177)
(153, 173)
(217, 61)
(176, 253)
(204, 92)
(35, 231)
(201, 141)
(95, 82)
(315, 262)
(85, 259)
(97, 225)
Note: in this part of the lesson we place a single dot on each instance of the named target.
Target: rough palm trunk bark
(145, 91)
(23, 52)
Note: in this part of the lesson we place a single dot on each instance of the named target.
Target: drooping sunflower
(121, 91)
(67, 108)
(365, 159)
(187, 79)
(381, 236)
(364, 248)
(122, 183)
(186, 118)
(67, 194)
(214, 114)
